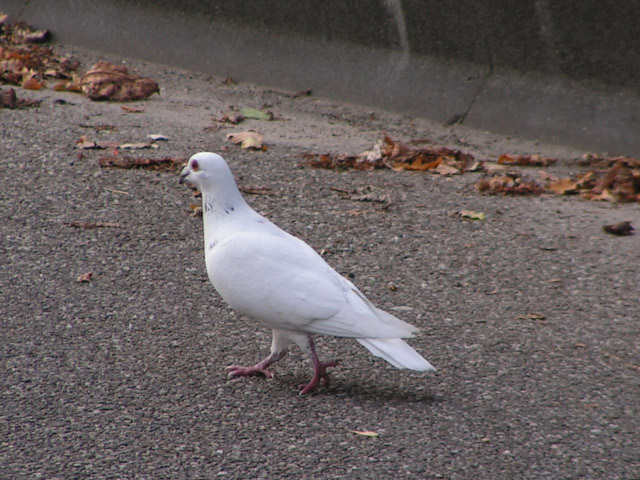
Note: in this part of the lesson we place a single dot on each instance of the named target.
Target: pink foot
(319, 373)
(259, 368)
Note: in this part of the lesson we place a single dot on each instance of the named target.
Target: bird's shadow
(388, 392)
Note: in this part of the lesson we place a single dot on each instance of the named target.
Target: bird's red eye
(194, 165)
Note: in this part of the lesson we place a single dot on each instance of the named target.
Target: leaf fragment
(84, 277)
(472, 215)
(365, 433)
(534, 160)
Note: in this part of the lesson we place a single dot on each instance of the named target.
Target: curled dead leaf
(250, 139)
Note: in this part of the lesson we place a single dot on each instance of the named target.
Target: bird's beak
(184, 174)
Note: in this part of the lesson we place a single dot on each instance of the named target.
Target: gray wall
(565, 72)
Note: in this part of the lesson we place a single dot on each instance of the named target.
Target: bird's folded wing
(282, 282)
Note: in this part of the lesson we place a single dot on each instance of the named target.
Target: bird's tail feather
(397, 353)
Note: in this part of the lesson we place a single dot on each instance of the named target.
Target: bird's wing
(282, 282)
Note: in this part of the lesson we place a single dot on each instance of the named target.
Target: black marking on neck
(212, 244)
(207, 204)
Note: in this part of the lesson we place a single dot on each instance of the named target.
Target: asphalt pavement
(530, 316)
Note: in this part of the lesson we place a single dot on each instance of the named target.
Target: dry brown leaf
(84, 277)
(32, 83)
(620, 228)
(106, 81)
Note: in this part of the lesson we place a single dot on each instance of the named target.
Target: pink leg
(319, 371)
(259, 368)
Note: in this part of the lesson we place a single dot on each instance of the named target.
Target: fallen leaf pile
(399, 157)
(106, 81)
(122, 161)
(619, 183)
(24, 62)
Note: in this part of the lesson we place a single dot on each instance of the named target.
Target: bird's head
(206, 170)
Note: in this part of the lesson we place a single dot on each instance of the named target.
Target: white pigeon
(265, 273)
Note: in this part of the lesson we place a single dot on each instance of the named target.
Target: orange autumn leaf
(563, 186)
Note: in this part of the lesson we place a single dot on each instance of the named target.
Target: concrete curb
(377, 59)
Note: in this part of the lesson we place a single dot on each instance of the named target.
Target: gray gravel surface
(123, 376)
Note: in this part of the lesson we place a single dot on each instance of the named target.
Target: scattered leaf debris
(106, 81)
(620, 228)
(126, 162)
(620, 182)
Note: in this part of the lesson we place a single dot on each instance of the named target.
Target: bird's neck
(218, 211)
